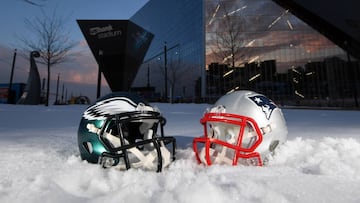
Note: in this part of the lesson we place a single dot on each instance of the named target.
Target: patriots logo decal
(266, 105)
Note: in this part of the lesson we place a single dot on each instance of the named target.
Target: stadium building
(295, 52)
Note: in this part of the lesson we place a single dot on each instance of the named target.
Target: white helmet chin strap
(147, 161)
(220, 157)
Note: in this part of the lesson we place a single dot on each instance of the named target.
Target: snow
(40, 161)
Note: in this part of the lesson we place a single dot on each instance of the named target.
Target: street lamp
(10, 94)
(101, 55)
(165, 70)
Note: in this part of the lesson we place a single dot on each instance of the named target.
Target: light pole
(57, 89)
(352, 73)
(101, 53)
(10, 94)
(165, 70)
(148, 76)
(165, 61)
(62, 94)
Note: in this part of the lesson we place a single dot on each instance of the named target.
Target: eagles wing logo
(107, 107)
(266, 105)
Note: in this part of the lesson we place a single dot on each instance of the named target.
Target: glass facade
(243, 44)
(176, 25)
(259, 45)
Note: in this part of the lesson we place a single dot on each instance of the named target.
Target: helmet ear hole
(273, 145)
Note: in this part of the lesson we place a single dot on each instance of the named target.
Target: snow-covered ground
(40, 162)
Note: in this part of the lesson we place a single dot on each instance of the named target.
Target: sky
(82, 70)
(40, 161)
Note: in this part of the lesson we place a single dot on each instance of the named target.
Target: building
(119, 47)
(258, 45)
(178, 47)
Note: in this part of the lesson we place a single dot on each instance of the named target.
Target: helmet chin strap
(145, 161)
(220, 157)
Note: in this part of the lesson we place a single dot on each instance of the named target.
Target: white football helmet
(243, 127)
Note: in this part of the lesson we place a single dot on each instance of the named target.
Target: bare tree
(228, 37)
(51, 40)
(173, 71)
(35, 2)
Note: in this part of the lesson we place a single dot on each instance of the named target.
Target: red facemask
(228, 139)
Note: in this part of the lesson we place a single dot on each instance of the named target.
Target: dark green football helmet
(122, 130)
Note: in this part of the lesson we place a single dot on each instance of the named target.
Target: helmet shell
(264, 111)
(242, 127)
(90, 145)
